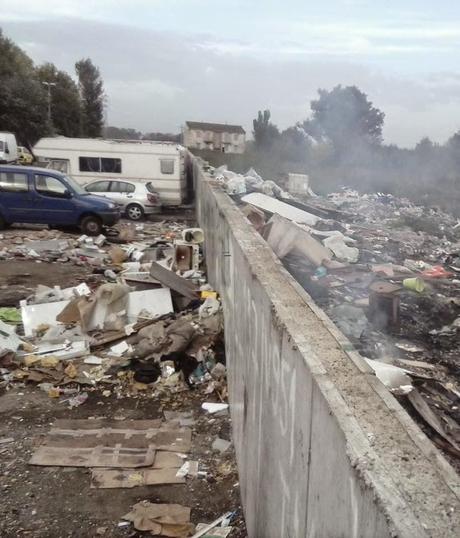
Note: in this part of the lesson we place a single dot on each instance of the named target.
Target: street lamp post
(48, 85)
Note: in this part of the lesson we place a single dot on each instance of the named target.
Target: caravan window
(89, 164)
(111, 166)
(167, 166)
(100, 164)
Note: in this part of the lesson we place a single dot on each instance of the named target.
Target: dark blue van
(42, 196)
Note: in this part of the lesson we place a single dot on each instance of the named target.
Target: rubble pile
(151, 324)
(387, 272)
(148, 327)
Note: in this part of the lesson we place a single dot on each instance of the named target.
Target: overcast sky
(167, 61)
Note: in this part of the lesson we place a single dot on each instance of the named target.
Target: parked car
(135, 198)
(24, 156)
(42, 196)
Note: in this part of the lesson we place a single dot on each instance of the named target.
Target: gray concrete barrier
(323, 449)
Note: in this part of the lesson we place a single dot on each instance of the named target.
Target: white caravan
(86, 159)
(8, 148)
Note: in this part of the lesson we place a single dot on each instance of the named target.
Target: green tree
(265, 133)
(343, 115)
(121, 133)
(23, 106)
(92, 97)
(65, 100)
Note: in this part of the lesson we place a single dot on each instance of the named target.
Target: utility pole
(48, 85)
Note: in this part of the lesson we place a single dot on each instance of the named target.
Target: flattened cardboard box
(106, 443)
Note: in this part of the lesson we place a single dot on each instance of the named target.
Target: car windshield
(76, 187)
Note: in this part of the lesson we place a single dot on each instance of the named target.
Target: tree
(92, 97)
(121, 133)
(23, 107)
(65, 100)
(163, 137)
(344, 115)
(265, 133)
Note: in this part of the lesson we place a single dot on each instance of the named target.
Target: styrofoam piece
(120, 349)
(212, 407)
(8, 338)
(35, 315)
(272, 205)
(156, 302)
(76, 291)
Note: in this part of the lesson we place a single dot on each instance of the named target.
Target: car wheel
(135, 212)
(91, 225)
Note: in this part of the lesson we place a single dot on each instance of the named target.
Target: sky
(167, 61)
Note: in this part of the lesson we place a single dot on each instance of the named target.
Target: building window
(167, 166)
(235, 137)
(13, 182)
(198, 134)
(100, 164)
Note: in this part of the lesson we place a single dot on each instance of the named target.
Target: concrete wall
(323, 449)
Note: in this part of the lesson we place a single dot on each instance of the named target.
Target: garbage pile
(151, 324)
(251, 181)
(387, 272)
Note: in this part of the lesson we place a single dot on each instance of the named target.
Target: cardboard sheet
(129, 478)
(108, 443)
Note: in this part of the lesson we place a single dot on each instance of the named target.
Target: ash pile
(386, 271)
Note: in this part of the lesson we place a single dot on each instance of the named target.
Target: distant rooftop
(215, 127)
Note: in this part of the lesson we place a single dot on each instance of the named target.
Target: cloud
(155, 80)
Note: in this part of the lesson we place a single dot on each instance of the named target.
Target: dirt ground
(57, 502)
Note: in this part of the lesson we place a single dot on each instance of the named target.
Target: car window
(99, 186)
(13, 182)
(150, 187)
(121, 186)
(1, 145)
(49, 186)
(167, 166)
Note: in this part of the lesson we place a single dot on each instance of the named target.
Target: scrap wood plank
(88, 424)
(93, 457)
(178, 439)
(129, 478)
(171, 280)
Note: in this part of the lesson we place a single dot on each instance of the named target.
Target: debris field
(113, 392)
(387, 272)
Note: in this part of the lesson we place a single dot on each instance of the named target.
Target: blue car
(42, 196)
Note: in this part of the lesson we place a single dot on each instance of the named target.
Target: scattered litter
(212, 408)
(221, 445)
(162, 519)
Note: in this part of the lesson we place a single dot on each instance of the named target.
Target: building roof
(215, 127)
